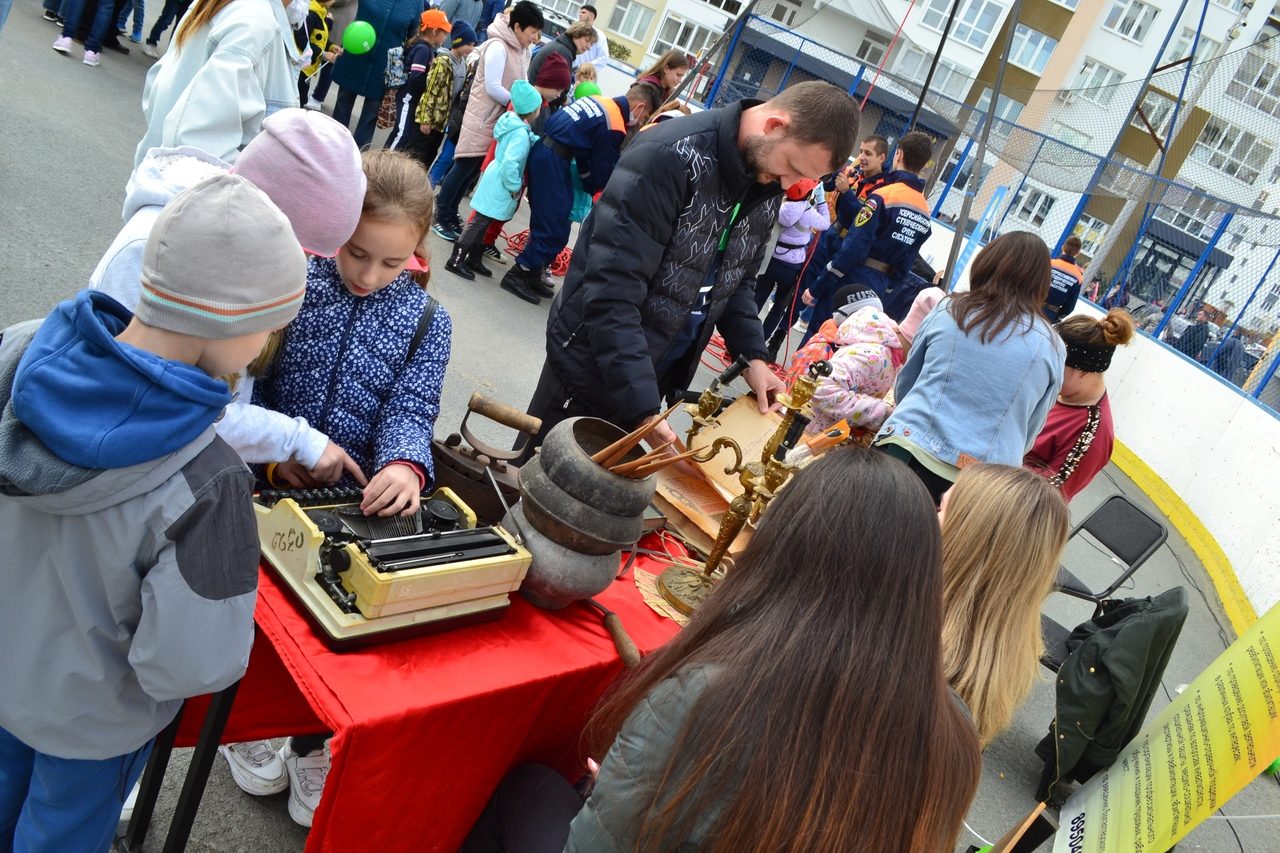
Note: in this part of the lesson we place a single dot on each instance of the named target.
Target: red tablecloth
(424, 729)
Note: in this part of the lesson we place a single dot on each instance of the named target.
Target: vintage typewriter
(365, 579)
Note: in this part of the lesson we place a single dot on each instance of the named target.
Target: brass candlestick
(684, 587)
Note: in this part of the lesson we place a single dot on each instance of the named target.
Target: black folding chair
(1124, 530)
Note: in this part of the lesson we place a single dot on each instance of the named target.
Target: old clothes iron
(465, 464)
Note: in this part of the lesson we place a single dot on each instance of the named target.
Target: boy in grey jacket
(130, 547)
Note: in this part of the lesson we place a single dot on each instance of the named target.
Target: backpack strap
(424, 323)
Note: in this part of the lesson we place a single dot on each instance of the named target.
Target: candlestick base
(685, 587)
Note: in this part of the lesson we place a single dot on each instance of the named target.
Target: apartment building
(1075, 68)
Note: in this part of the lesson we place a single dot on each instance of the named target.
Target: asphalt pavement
(66, 150)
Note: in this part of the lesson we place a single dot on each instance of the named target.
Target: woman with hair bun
(1077, 438)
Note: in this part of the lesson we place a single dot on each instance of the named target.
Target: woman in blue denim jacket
(984, 369)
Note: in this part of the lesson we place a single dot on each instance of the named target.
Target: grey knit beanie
(221, 261)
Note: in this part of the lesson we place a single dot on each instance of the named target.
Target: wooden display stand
(694, 505)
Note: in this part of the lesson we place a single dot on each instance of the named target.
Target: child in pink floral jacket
(869, 352)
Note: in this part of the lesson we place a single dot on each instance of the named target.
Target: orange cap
(434, 19)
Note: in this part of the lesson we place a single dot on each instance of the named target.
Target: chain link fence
(1163, 247)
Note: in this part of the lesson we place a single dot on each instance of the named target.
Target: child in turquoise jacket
(494, 199)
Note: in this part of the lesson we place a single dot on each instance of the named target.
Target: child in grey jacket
(130, 548)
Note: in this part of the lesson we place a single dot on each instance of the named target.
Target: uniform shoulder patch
(867, 211)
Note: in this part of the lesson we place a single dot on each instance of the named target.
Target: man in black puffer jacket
(671, 250)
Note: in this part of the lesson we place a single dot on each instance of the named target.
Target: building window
(1069, 135)
(733, 7)
(1097, 82)
(1031, 49)
(948, 78)
(630, 20)
(1180, 48)
(675, 31)
(974, 23)
(1233, 5)
(1091, 230)
(1130, 18)
(1006, 108)
(1257, 83)
(1032, 205)
(1269, 301)
(1067, 4)
(785, 12)
(965, 174)
(1199, 218)
(565, 8)
(1231, 150)
(873, 48)
(1157, 109)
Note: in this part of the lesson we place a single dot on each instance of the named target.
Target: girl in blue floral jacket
(364, 361)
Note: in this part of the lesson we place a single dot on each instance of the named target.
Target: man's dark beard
(754, 151)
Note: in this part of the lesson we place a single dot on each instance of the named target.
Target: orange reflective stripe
(902, 195)
(613, 111)
(1069, 268)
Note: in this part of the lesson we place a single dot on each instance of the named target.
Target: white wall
(1219, 451)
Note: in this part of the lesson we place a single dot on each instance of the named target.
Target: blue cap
(461, 34)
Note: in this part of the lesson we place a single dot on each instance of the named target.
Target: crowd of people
(234, 321)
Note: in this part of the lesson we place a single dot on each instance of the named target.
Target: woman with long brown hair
(668, 72)
(1003, 531)
(984, 369)
(1079, 434)
(231, 64)
(803, 708)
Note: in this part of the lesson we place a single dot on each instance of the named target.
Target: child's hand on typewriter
(294, 475)
(393, 491)
(333, 463)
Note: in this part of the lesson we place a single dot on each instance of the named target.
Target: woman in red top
(1078, 435)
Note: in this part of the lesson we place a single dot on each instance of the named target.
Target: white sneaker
(126, 813)
(92, 58)
(62, 44)
(801, 326)
(313, 104)
(151, 50)
(306, 780)
(255, 767)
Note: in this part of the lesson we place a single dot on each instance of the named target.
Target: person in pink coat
(869, 352)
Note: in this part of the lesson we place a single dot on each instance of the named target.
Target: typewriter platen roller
(364, 579)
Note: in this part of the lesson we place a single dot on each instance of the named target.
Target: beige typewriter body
(393, 597)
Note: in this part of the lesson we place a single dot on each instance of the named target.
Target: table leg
(149, 787)
(184, 815)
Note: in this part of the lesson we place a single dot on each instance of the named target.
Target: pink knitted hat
(309, 165)
(924, 302)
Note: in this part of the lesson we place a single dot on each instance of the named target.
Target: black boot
(457, 263)
(474, 261)
(541, 284)
(518, 281)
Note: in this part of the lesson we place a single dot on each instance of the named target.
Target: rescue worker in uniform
(589, 132)
(1065, 280)
(844, 199)
(885, 239)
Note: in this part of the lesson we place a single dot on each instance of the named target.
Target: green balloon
(585, 89)
(358, 37)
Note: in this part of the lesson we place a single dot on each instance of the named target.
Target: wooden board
(694, 508)
(742, 422)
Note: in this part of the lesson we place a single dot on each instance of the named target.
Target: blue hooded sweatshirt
(97, 403)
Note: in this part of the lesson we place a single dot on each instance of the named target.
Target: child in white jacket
(309, 166)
